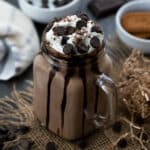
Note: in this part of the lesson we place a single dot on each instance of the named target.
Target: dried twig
(134, 91)
(134, 84)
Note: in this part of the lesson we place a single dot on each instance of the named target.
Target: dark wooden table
(108, 25)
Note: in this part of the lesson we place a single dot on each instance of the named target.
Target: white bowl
(44, 15)
(127, 38)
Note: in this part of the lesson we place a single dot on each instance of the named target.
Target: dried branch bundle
(134, 84)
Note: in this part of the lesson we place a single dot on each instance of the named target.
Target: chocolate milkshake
(72, 94)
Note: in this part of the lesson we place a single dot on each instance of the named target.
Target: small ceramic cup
(37, 3)
(44, 15)
(127, 38)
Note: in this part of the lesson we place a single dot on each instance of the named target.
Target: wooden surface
(108, 25)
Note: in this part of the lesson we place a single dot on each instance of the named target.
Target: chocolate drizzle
(64, 101)
(83, 77)
(95, 69)
(85, 99)
(63, 105)
(51, 76)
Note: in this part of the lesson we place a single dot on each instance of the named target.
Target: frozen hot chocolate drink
(72, 94)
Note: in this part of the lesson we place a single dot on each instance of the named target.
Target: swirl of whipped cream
(76, 33)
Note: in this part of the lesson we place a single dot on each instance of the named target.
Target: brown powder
(137, 24)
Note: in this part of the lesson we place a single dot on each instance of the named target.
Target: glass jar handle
(109, 88)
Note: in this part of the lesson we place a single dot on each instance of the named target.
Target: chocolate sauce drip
(83, 77)
(95, 69)
(45, 3)
(64, 101)
(51, 76)
(63, 105)
(85, 99)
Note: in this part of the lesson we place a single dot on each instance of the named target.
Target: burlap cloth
(17, 110)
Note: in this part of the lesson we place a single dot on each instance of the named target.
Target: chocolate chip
(82, 48)
(80, 24)
(83, 17)
(59, 3)
(70, 30)
(96, 29)
(138, 119)
(69, 49)
(59, 31)
(49, 26)
(64, 40)
(95, 42)
(51, 146)
(117, 127)
(56, 19)
(144, 136)
(122, 143)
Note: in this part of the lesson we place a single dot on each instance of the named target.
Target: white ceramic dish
(127, 38)
(44, 15)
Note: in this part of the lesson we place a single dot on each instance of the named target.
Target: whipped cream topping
(78, 33)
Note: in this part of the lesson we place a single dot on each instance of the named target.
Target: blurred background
(106, 21)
